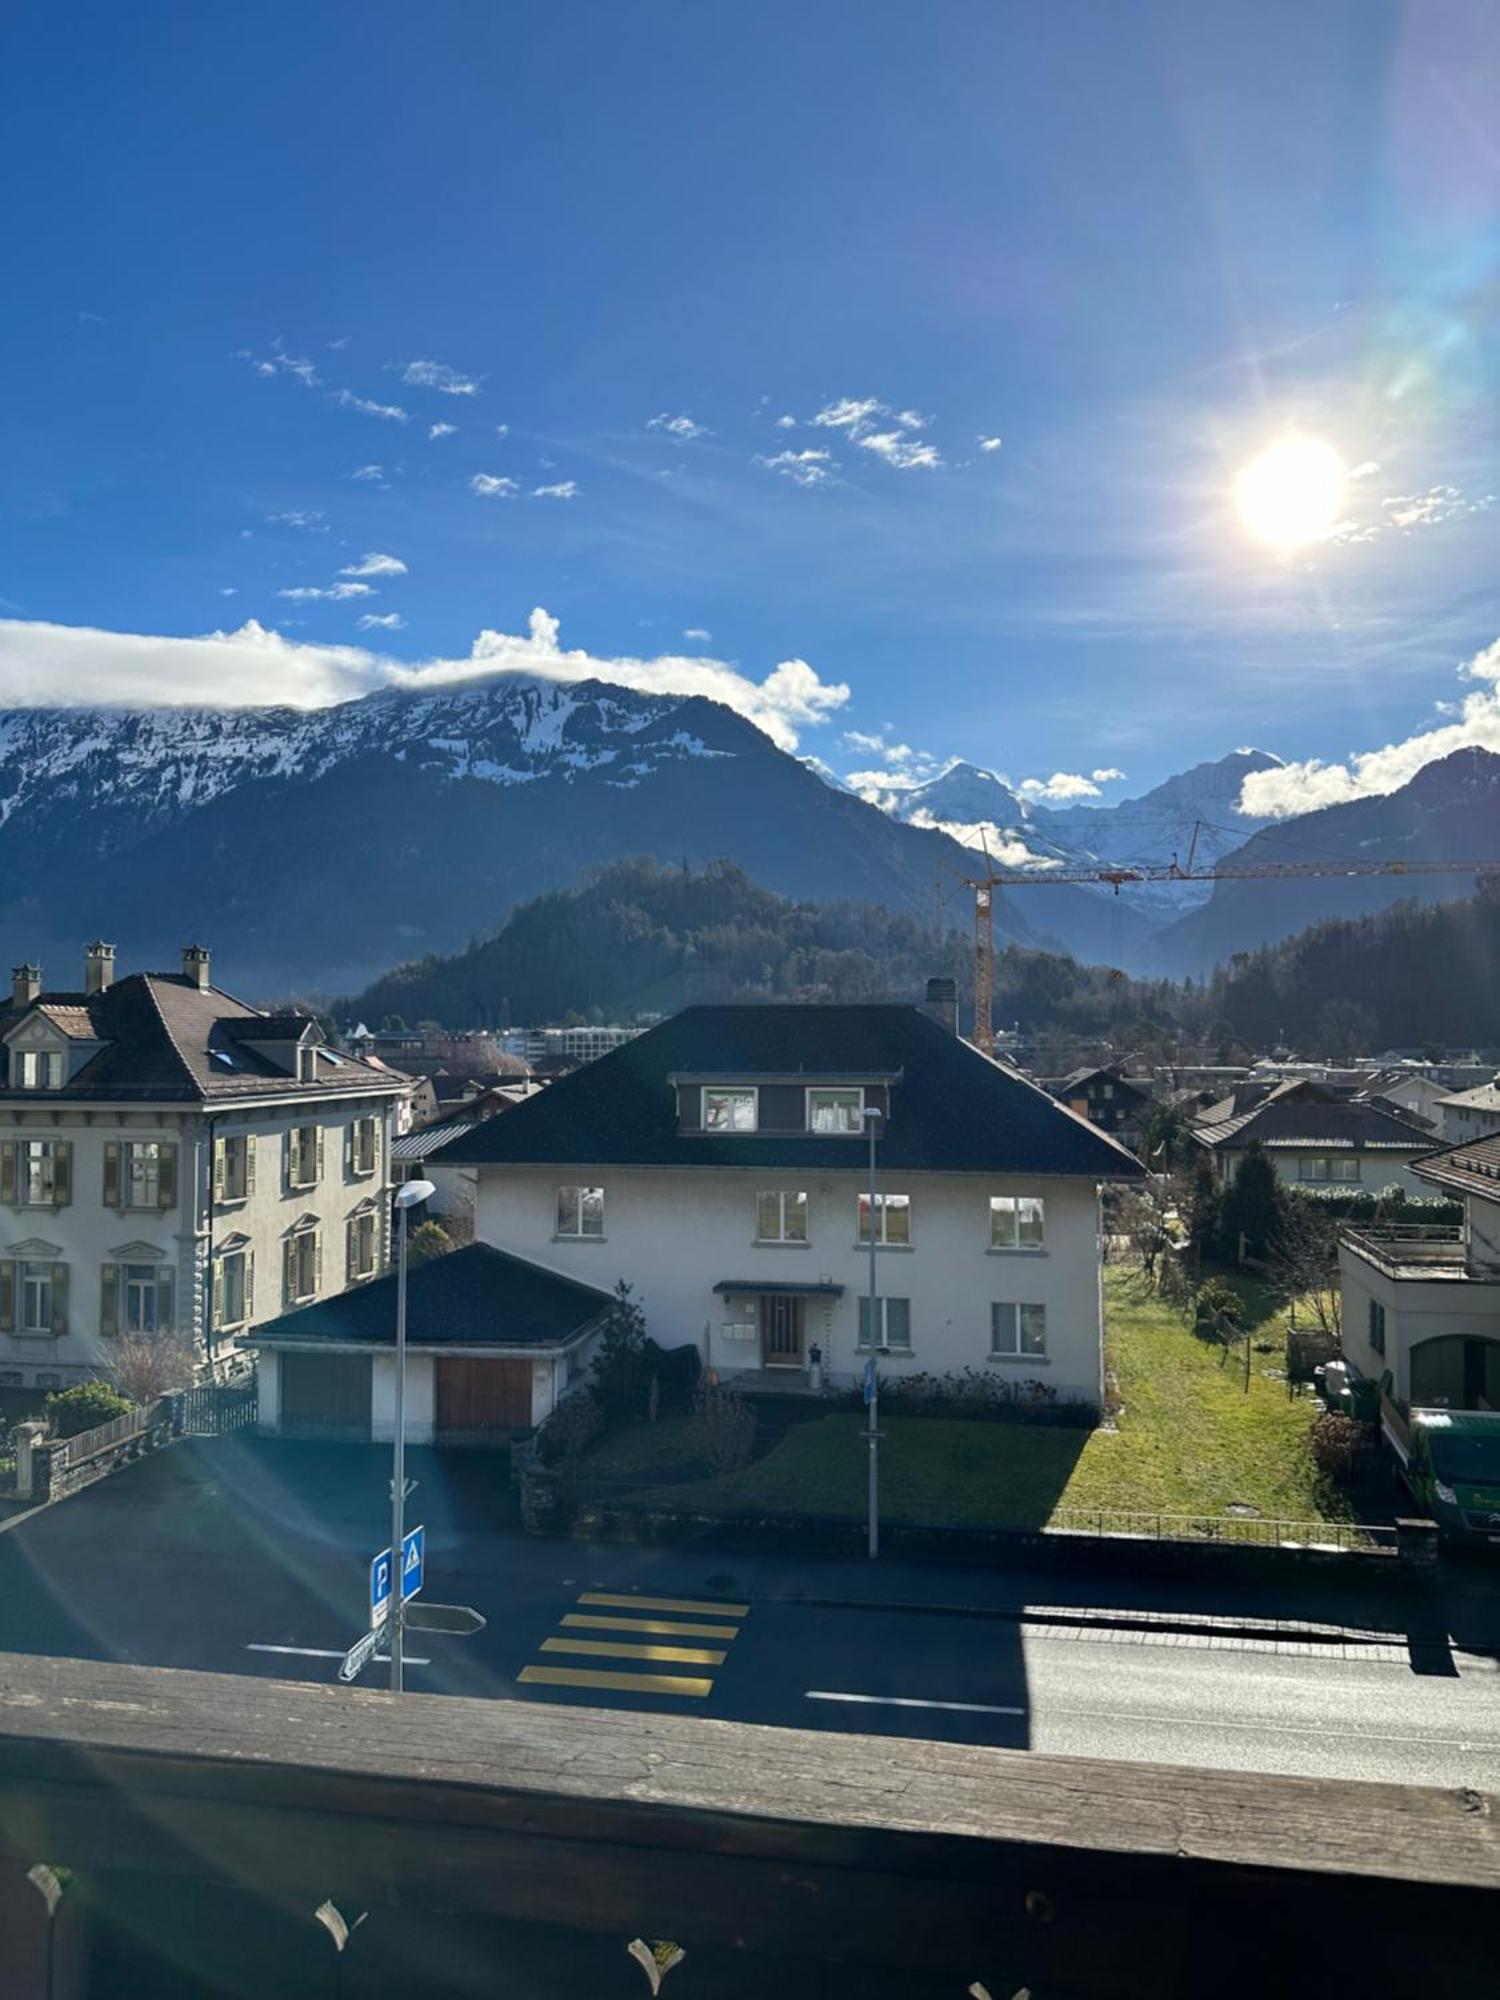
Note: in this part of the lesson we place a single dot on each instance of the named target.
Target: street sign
(358, 1657)
(413, 1552)
(460, 1619)
(870, 1380)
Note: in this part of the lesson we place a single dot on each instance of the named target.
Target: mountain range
(313, 850)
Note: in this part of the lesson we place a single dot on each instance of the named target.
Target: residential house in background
(719, 1163)
(1407, 1090)
(1116, 1103)
(172, 1159)
(1471, 1114)
(1318, 1140)
(1425, 1302)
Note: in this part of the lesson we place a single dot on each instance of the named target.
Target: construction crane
(1118, 877)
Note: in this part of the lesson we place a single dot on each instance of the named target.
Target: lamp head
(412, 1192)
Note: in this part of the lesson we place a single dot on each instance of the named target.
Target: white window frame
(236, 1166)
(49, 1151)
(570, 1205)
(1009, 1342)
(739, 1093)
(301, 1146)
(304, 1244)
(886, 1206)
(40, 1069)
(1011, 1208)
(222, 1293)
(150, 1175)
(364, 1159)
(796, 1197)
(843, 1131)
(362, 1227)
(40, 1286)
(140, 1282)
(901, 1343)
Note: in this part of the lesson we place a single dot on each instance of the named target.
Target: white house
(1318, 1140)
(1470, 1114)
(173, 1159)
(1425, 1303)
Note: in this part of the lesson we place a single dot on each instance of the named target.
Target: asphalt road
(251, 1558)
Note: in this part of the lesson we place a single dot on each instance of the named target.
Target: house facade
(1425, 1303)
(1470, 1114)
(173, 1161)
(720, 1164)
(1116, 1103)
(1319, 1141)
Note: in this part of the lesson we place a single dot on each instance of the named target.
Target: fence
(1248, 1530)
(215, 1409)
(62, 1467)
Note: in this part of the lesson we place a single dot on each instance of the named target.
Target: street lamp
(408, 1196)
(872, 1378)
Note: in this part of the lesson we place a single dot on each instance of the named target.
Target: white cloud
(564, 489)
(311, 519)
(786, 423)
(490, 484)
(1108, 776)
(902, 452)
(282, 363)
(682, 428)
(697, 632)
(441, 430)
(229, 590)
(856, 416)
(1438, 503)
(391, 412)
(375, 564)
(1367, 470)
(308, 593)
(438, 375)
(807, 468)
(849, 414)
(368, 472)
(502, 430)
(340, 344)
(1004, 849)
(1059, 788)
(911, 420)
(381, 621)
(989, 444)
(1304, 787)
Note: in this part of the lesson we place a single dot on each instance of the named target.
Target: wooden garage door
(326, 1394)
(477, 1396)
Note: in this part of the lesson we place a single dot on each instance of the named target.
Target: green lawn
(1189, 1441)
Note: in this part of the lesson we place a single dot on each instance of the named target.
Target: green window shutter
(109, 1298)
(167, 1178)
(249, 1163)
(289, 1270)
(290, 1163)
(7, 1294)
(59, 1298)
(166, 1298)
(8, 1158)
(249, 1284)
(218, 1169)
(317, 1237)
(320, 1152)
(216, 1284)
(348, 1149)
(62, 1174)
(351, 1250)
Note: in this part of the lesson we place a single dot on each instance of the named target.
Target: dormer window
(39, 1069)
(729, 1110)
(307, 1065)
(836, 1111)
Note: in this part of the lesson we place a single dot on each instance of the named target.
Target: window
(304, 1156)
(307, 1065)
(140, 1173)
(1320, 1167)
(1377, 1326)
(45, 1173)
(39, 1300)
(234, 1168)
(1016, 1222)
(304, 1263)
(39, 1069)
(1107, 1092)
(729, 1110)
(139, 1289)
(362, 1147)
(1018, 1332)
(234, 1288)
(892, 1325)
(892, 1220)
(359, 1246)
(840, 1111)
(580, 1211)
(780, 1216)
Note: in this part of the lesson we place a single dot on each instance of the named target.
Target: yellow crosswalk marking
(613, 1649)
(661, 1628)
(688, 1604)
(590, 1677)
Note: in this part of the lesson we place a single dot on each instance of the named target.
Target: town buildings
(1318, 1140)
(175, 1161)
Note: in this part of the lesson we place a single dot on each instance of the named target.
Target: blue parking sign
(413, 1559)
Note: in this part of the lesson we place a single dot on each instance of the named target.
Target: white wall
(674, 1233)
(1377, 1171)
(1416, 1309)
(421, 1393)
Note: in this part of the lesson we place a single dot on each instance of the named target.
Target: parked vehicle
(1449, 1461)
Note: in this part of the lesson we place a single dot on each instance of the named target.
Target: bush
(575, 1425)
(70, 1411)
(620, 1370)
(723, 1428)
(1337, 1442)
(1217, 1306)
(145, 1366)
(428, 1240)
(675, 1371)
(983, 1396)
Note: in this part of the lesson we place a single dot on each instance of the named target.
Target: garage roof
(474, 1297)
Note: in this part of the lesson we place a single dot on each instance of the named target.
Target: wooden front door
(781, 1331)
(475, 1396)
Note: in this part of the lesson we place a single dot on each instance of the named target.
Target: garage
(477, 1396)
(325, 1395)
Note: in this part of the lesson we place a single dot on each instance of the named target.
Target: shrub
(620, 1367)
(1337, 1442)
(428, 1240)
(144, 1366)
(675, 1371)
(984, 1396)
(70, 1411)
(723, 1428)
(1218, 1308)
(573, 1426)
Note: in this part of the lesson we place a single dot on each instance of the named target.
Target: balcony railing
(1411, 1249)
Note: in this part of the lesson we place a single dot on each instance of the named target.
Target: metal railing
(1249, 1530)
(1401, 1246)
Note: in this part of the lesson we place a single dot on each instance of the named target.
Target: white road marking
(911, 1701)
(323, 1653)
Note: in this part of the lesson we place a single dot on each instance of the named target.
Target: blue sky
(833, 249)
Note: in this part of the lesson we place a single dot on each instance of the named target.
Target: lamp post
(872, 1393)
(407, 1197)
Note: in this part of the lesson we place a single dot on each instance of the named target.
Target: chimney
(195, 966)
(98, 967)
(942, 1003)
(25, 984)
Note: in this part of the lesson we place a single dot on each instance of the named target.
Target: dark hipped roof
(159, 1031)
(474, 1297)
(1472, 1167)
(953, 1111)
(1356, 1124)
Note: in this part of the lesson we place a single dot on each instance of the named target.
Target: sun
(1292, 492)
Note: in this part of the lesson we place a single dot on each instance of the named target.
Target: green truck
(1449, 1461)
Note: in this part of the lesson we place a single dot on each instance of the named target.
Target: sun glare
(1291, 492)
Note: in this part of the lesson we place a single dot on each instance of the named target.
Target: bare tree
(145, 1366)
(723, 1428)
(1303, 1254)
